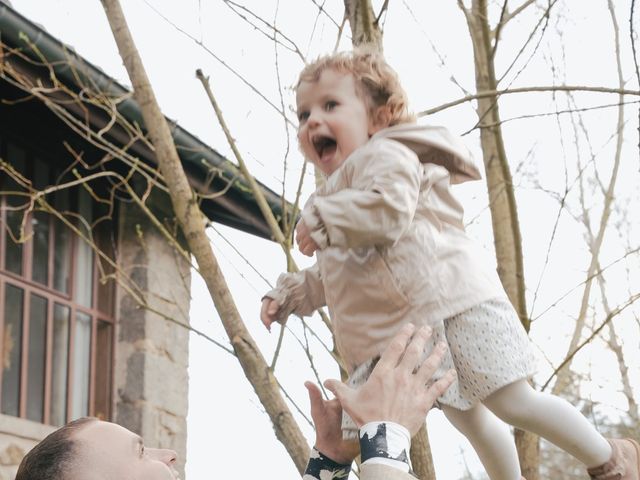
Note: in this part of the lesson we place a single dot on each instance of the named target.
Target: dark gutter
(197, 157)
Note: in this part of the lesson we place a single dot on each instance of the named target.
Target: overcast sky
(427, 42)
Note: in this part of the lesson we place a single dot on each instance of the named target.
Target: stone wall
(152, 352)
(17, 437)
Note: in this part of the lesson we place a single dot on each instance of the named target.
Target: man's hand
(396, 391)
(268, 311)
(306, 244)
(327, 417)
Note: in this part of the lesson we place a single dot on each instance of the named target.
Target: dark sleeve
(320, 464)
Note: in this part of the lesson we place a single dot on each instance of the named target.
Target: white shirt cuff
(385, 443)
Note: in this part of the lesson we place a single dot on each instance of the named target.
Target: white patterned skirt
(488, 348)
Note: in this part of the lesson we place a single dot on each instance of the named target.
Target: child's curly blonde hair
(376, 81)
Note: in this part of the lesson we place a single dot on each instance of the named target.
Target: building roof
(236, 207)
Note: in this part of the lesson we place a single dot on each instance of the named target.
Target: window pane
(40, 270)
(104, 342)
(62, 239)
(105, 239)
(84, 254)
(81, 366)
(37, 350)
(12, 347)
(59, 358)
(13, 250)
(40, 174)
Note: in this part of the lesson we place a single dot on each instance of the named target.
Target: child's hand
(268, 311)
(306, 244)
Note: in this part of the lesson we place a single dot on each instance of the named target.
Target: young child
(390, 244)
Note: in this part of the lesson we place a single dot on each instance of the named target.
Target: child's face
(334, 120)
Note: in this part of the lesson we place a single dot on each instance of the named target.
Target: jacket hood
(435, 145)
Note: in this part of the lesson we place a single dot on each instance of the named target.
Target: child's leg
(552, 418)
(490, 438)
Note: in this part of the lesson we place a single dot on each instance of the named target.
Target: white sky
(228, 431)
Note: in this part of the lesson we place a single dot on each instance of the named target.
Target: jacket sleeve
(383, 472)
(299, 293)
(379, 205)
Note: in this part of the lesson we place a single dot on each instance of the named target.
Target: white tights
(518, 404)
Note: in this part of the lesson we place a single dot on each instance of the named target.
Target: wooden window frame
(30, 287)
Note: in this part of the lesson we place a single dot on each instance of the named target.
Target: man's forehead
(102, 450)
(103, 433)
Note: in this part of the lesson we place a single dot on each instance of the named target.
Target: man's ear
(380, 118)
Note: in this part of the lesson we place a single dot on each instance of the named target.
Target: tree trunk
(366, 33)
(504, 214)
(192, 223)
(421, 459)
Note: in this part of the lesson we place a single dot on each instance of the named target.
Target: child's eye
(302, 116)
(330, 105)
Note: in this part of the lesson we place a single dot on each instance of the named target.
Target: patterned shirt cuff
(385, 443)
(321, 467)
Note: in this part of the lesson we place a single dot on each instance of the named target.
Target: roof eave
(197, 157)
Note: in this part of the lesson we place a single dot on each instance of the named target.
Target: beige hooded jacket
(393, 248)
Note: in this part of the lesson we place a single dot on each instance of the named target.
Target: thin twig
(275, 31)
(259, 196)
(498, 30)
(322, 10)
(383, 9)
(589, 278)
(604, 323)
(553, 88)
(635, 60)
(547, 114)
(221, 62)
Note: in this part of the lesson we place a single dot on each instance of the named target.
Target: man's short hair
(52, 458)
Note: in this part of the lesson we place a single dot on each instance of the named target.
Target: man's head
(53, 457)
(90, 449)
(342, 100)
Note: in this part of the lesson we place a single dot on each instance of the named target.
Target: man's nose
(166, 456)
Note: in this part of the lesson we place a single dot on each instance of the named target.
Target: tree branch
(588, 340)
(193, 225)
(555, 88)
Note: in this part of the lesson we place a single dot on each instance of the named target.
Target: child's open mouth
(325, 147)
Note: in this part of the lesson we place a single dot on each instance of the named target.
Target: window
(56, 317)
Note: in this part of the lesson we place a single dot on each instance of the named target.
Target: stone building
(94, 295)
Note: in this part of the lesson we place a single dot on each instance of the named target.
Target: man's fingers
(433, 361)
(392, 354)
(315, 396)
(439, 388)
(316, 402)
(339, 389)
(415, 349)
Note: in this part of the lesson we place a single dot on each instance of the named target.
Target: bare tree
(502, 201)
(193, 225)
(489, 25)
